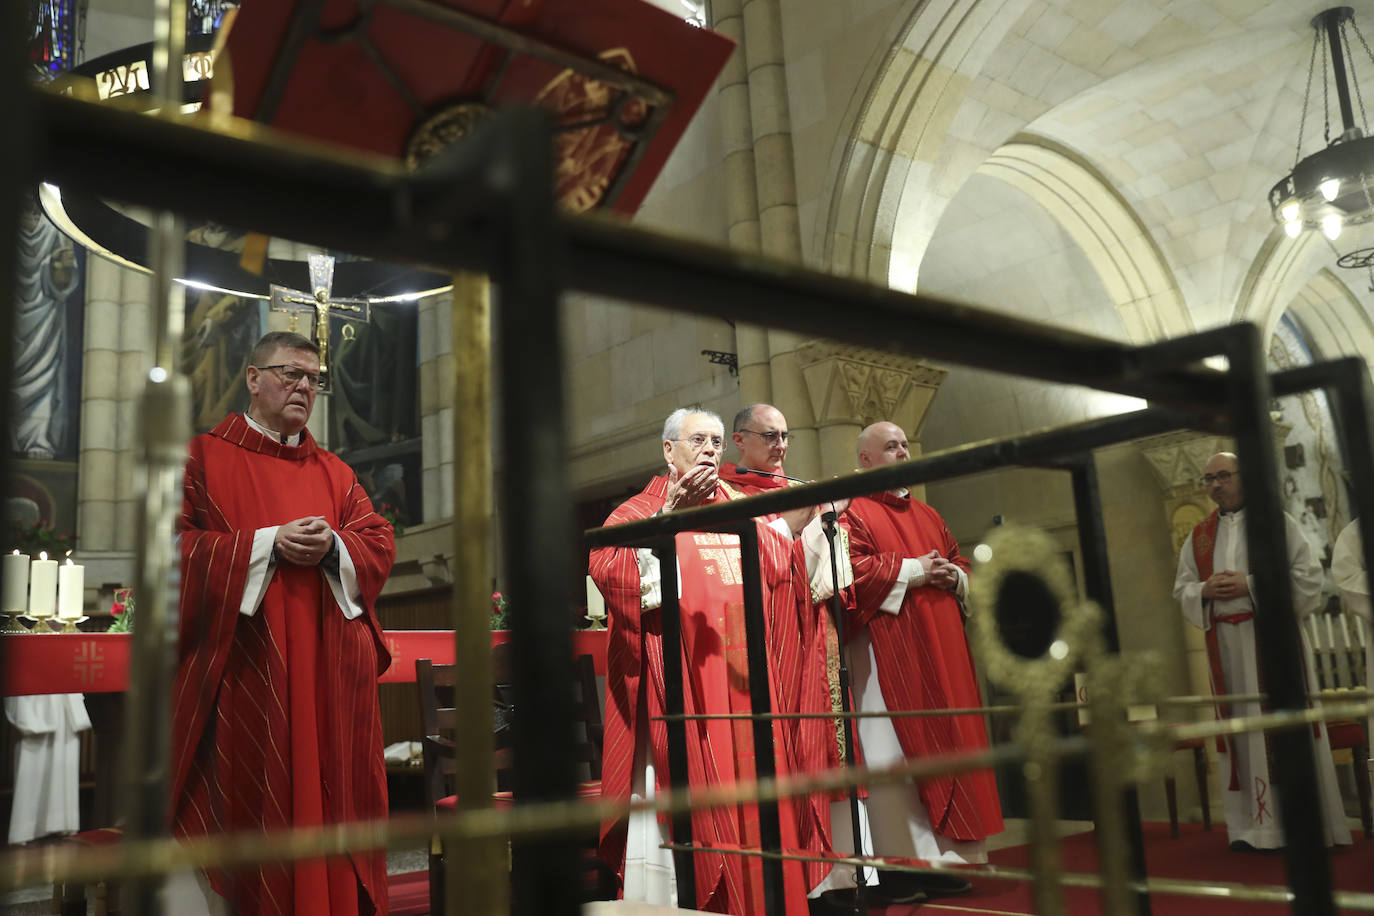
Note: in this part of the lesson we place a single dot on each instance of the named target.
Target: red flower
(117, 608)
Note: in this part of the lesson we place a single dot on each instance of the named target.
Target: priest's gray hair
(672, 427)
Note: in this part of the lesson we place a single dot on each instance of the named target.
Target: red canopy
(405, 77)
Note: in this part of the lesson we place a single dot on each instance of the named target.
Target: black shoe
(899, 884)
(843, 900)
(1242, 846)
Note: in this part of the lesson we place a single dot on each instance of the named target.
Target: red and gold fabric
(720, 752)
(922, 656)
(276, 720)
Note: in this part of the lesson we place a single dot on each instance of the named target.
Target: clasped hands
(1225, 585)
(940, 572)
(305, 541)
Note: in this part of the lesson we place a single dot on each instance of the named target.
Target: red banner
(99, 662)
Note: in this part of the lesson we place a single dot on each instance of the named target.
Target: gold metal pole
(164, 428)
(476, 869)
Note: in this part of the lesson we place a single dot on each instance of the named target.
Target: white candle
(16, 583)
(42, 586)
(596, 604)
(71, 591)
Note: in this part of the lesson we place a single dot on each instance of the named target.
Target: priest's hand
(305, 541)
(692, 489)
(1225, 586)
(940, 572)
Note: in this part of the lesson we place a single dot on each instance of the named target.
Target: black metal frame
(487, 205)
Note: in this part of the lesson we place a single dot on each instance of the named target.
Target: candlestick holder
(598, 621)
(36, 625)
(14, 623)
(68, 624)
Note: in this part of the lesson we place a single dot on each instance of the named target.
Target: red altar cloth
(99, 662)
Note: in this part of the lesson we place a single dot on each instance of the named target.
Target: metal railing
(487, 206)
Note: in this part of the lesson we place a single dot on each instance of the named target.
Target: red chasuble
(275, 716)
(719, 751)
(750, 484)
(922, 655)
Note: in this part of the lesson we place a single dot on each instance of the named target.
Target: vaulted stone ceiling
(1188, 112)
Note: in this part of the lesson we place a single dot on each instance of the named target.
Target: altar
(99, 662)
(97, 665)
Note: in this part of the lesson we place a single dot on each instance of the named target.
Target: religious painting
(221, 329)
(49, 314)
(374, 410)
(40, 507)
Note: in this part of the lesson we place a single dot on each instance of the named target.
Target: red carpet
(1194, 855)
(408, 893)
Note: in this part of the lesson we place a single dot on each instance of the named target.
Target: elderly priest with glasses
(1216, 591)
(720, 752)
(276, 722)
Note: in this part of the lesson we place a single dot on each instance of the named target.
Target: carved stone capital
(857, 385)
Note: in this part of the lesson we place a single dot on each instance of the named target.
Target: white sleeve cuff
(911, 573)
(816, 551)
(259, 570)
(347, 594)
(650, 578)
(780, 525)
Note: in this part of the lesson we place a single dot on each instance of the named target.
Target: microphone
(828, 517)
(741, 469)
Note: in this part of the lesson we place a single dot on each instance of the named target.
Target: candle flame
(16, 551)
(42, 555)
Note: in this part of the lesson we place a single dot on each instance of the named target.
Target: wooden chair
(440, 720)
(69, 899)
(1200, 770)
(1348, 734)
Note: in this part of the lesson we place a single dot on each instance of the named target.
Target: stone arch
(897, 129)
(1281, 270)
(1116, 242)
(1332, 318)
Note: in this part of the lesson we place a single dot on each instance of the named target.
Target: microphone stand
(828, 521)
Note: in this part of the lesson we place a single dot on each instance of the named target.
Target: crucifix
(318, 304)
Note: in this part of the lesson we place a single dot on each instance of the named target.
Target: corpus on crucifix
(318, 304)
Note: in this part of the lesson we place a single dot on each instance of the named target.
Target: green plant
(123, 611)
(39, 537)
(499, 616)
(392, 515)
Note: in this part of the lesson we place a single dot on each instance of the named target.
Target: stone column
(852, 386)
(741, 192)
(135, 359)
(436, 410)
(100, 419)
(779, 228)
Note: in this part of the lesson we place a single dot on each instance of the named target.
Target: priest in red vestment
(275, 716)
(719, 751)
(908, 650)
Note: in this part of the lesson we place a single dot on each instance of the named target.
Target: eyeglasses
(292, 376)
(1218, 477)
(699, 441)
(772, 437)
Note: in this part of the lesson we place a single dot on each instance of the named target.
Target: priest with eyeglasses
(720, 752)
(276, 722)
(1216, 591)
